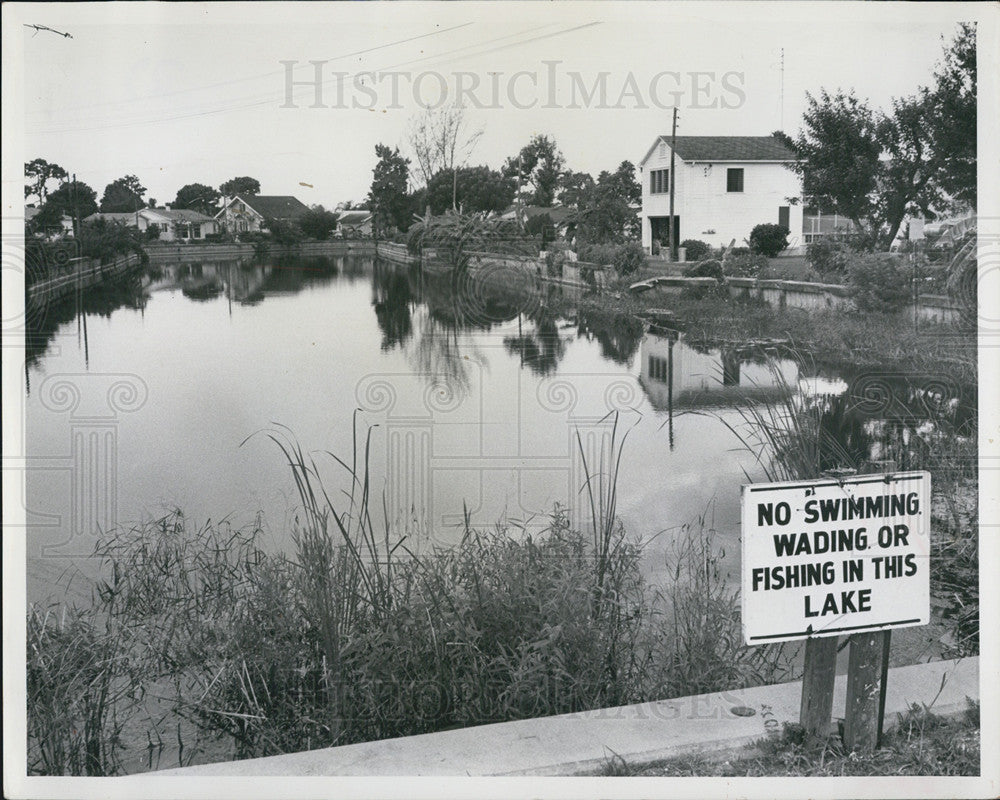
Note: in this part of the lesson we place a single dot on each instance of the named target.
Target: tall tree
(387, 198)
(123, 195)
(471, 189)
(73, 198)
(951, 122)
(318, 223)
(607, 214)
(872, 167)
(244, 185)
(538, 165)
(575, 188)
(37, 174)
(441, 139)
(197, 197)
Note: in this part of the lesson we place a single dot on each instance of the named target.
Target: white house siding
(707, 211)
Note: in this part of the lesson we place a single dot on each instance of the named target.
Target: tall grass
(353, 637)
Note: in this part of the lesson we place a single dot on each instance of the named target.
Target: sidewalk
(575, 743)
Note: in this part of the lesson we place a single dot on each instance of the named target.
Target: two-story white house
(724, 186)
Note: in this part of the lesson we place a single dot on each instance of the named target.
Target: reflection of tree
(434, 353)
(540, 349)
(618, 335)
(101, 301)
(392, 299)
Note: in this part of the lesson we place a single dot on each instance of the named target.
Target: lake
(158, 395)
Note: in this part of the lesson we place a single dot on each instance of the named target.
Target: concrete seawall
(231, 250)
(572, 744)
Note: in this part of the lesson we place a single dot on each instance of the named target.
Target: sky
(183, 93)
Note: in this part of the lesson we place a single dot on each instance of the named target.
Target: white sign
(831, 557)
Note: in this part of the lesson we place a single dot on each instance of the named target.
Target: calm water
(142, 401)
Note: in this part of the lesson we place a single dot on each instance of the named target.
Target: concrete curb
(571, 744)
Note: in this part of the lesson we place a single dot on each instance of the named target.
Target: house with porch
(724, 186)
(243, 213)
(354, 222)
(182, 224)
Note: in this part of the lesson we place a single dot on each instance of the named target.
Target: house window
(659, 181)
(196, 231)
(663, 149)
(734, 179)
(658, 368)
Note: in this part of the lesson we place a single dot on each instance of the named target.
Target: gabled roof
(178, 214)
(726, 148)
(275, 206)
(354, 216)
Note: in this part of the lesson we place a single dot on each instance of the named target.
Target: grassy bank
(919, 744)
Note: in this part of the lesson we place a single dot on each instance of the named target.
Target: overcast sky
(182, 93)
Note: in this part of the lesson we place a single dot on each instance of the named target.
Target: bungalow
(248, 212)
(724, 186)
(180, 224)
(563, 218)
(354, 222)
(63, 228)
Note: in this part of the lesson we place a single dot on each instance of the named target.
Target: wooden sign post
(836, 556)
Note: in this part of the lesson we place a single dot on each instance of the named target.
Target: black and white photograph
(501, 399)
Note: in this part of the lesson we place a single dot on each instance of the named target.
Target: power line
(47, 28)
(271, 99)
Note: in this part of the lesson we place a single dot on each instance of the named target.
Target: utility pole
(672, 239)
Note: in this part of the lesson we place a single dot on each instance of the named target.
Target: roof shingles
(731, 148)
(275, 206)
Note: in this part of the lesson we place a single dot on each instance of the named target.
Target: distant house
(179, 225)
(248, 212)
(724, 186)
(354, 222)
(562, 217)
(63, 228)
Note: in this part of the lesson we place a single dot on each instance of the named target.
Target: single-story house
(354, 222)
(248, 212)
(64, 228)
(724, 186)
(562, 217)
(179, 224)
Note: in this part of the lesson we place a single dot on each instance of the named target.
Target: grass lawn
(920, 744)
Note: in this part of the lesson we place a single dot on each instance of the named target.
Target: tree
(539, 165)
(318, 223)
(37, 174)
(73, 198)
(607, 214)
(123, 195)
(387, 198)
(575, 188)
(244, 185)
(441, 139)
(196, 197)
(872, 167)
(951, 122)
(472, 189)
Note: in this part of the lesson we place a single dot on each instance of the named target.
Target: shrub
(879, 283)
(706, 269)
(768, 239)
(624, 258)
(744, 266)
(696, 249)
(828, 255)
(283, 232)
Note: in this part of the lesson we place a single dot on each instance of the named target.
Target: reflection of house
(724, 186)
(354, 221)
(249, 212)
(675, 375)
